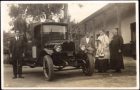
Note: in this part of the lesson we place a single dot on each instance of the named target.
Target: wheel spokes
(86, 67)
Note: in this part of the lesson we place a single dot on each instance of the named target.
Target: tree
(20, 24)
(6, 39)
(21, 12)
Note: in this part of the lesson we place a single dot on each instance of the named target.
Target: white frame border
(36, 2)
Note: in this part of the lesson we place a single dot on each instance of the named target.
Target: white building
(114, 15)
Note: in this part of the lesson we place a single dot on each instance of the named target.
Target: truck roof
(50, 23)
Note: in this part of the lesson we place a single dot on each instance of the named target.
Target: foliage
(7, 37)
(34, 9)
(17, 11)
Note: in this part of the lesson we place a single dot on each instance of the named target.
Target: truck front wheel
(48, 67)
(88, 67)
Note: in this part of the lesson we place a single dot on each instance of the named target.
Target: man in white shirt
(88, 52)
(88, 42)
(87, 39)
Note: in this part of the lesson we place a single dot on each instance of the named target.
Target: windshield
(54, 32)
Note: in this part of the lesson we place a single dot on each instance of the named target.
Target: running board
(67, 69)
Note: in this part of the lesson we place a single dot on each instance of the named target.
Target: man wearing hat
(17, 53)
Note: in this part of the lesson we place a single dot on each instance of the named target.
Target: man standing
(116, 57)
(87, 42)
(17, 52)
(88, 47)
(102, 52)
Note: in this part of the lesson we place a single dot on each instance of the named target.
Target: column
(118, 15)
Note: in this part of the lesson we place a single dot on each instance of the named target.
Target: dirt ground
(33, 77)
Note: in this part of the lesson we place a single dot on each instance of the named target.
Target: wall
(114, 17)
(125, 28)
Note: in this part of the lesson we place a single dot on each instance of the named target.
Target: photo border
(137, 46)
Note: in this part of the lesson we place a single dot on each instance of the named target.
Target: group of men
(110, 58)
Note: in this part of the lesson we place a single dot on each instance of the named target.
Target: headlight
(58, 48)
(83, 47)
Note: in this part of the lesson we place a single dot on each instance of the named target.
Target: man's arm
(92, 45)
(11, 47)
(24, 46)
(81, 42)
(121, 43)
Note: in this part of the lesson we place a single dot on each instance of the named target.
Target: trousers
(17, 67)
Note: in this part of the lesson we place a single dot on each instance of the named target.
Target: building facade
(114, 15)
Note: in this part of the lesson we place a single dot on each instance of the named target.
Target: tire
(48, 67)
(88, 67)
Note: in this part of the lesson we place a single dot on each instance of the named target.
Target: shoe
(104, 71)
(21, 77)
(14, 77)
(99, 71)
(118, 71)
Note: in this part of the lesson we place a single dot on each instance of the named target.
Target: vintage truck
(50, 47)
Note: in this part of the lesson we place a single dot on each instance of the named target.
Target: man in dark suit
(17, 53)
(116, 52)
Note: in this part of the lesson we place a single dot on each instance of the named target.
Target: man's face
(115, 32)
(17, 33)
(87, 34)
(101, 32)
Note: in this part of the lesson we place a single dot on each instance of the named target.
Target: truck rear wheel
(88, 67)
(48, 67)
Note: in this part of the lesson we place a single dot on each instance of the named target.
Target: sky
(76, 13)
(79, 14)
